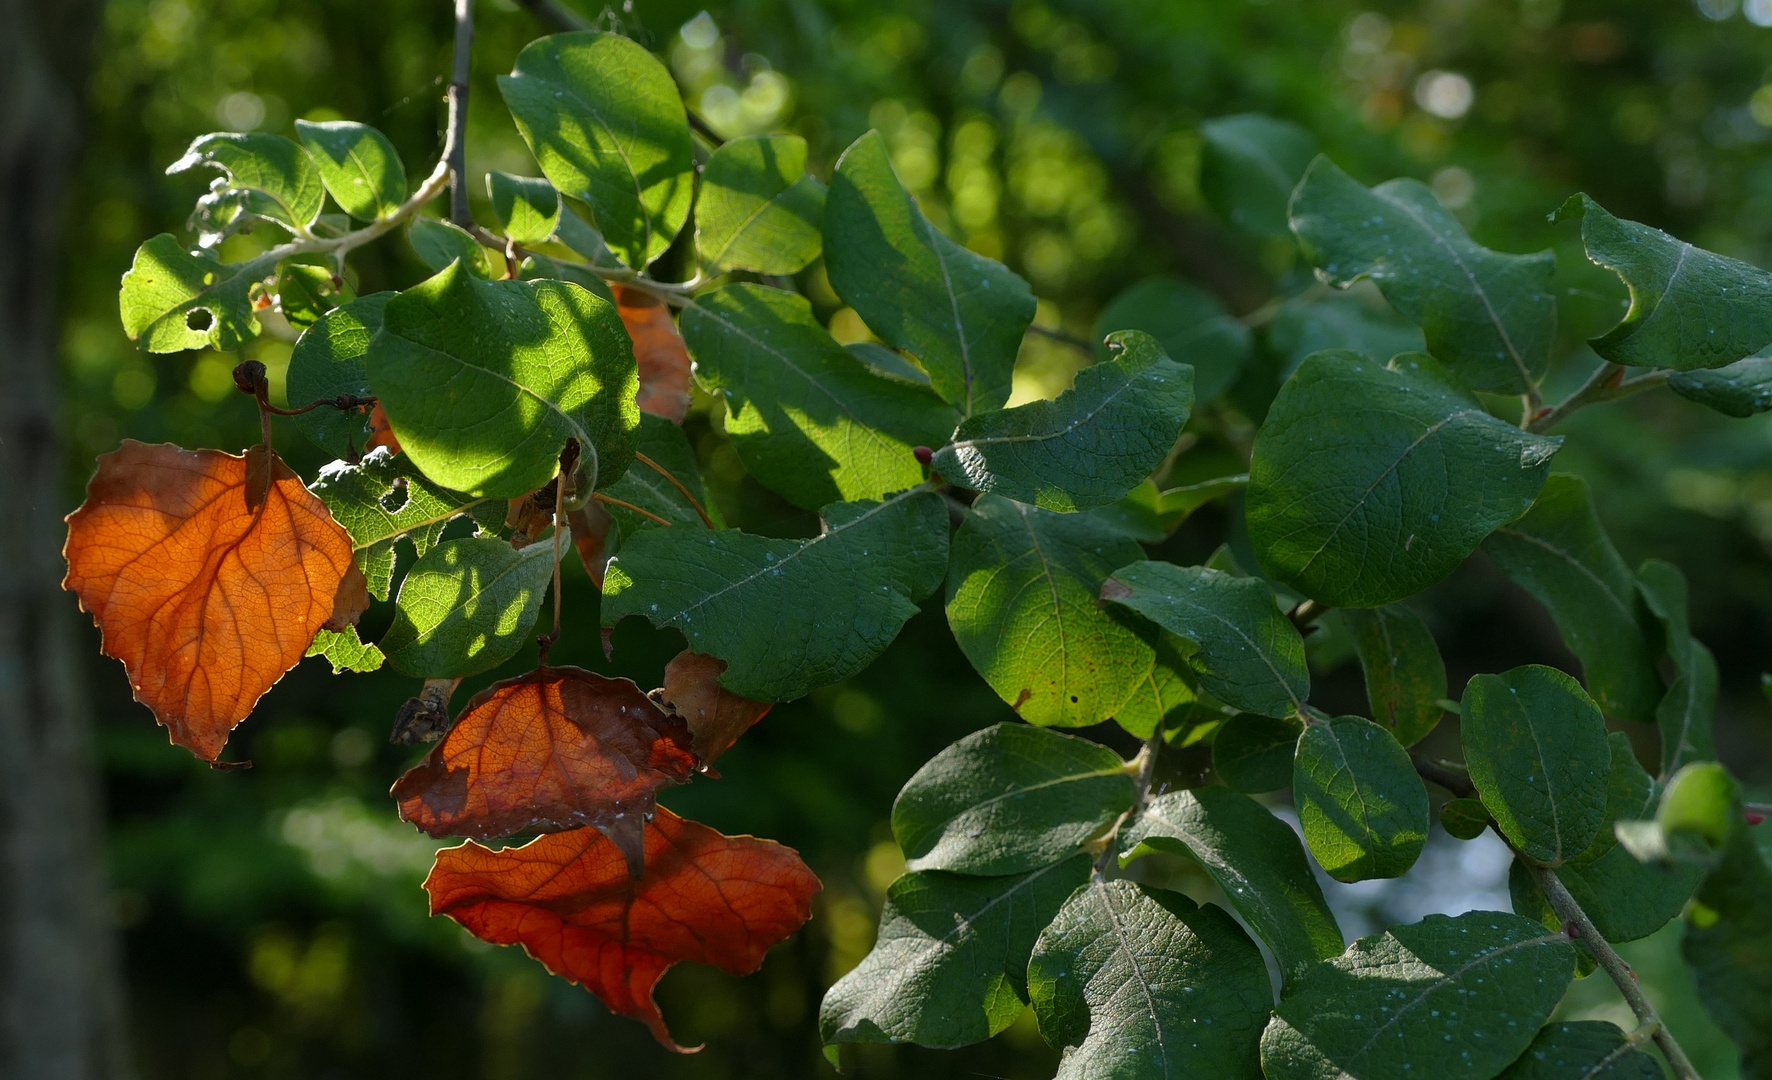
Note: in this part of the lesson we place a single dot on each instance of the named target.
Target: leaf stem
(1058, 333)
(456, 144)
(676, 483)
(1438, 772)
(625, 505)
(1571, 913)
(674, 293)
(1146, 764)
(1607, 383)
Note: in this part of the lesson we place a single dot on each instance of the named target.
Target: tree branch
(1570, 912)
(455, 147)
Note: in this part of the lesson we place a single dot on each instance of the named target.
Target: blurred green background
(272, 920)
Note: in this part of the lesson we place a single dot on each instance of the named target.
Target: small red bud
(1572, 930)
(1754, 818)
(923, 454)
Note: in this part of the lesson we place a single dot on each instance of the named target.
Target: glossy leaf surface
(1360, 803)
(759, 209)
(1741, 389)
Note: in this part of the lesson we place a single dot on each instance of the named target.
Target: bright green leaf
(438, 243)
(829, 605)
(265, 177)
(1149, 515)
(604, 119)
(807, 419)
(961, 314)
(1357, 457)
(1134, 982)
(528, 207)
(1021, 600)
(306, 292)
(1255, 858)
(1254, 753)
(1584, 1049)
(1165, 691)
(1560, 553)
(1363, 809)
(950, 965)
(345, 651)
(1689, 308)
(888, 363)
(359, 166)
(1741, 389)
(1189, 323)
(1535, 744)
(329, 360)
(467, 606)
(1488, 316)
(1247, 653)
(1405, 677)
(1249, 164)
(1452, 998)
(484, 381)
(1087, 448)
(173, 299)
(759, 209)
(1009, 799)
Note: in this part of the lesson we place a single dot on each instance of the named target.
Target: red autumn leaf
(558, 748)
(208, 575)
(659, 351)
(381, 433)
(590, 532)
(568, 900)
(716, 715)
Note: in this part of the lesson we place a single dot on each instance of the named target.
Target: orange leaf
(658, 350)
(716, 715)
(568, 900)
(558, 748)
(590, 532)
(381, 433)
(205, 599)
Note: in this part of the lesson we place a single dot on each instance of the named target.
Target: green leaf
(1133, 982)
(1741, 389)
(1163, 693)
(539, 267)
(345, 652)
(384, 497)
(1728, 944)
(1689, 308)
(829, 605)
(1663, 589)
(1021, 600)
(759, 209)
(1488, 316)
(1190, 324)
(1534, 742)
(1255, 858)
(1149, 515)
(265, 177)
(1087, 448)
(807, 419)
(359, 166)
(528, 207)
(328, 361)
(1009, 799)
(1356, 457)
(1361, 805)
(1626, 898)
(961, 314)
(888, 363)
(306, 292)
(173, 300)
(666, 444)
(1405, 677)
(1249, 164)
(1311, 323)
(604, 119)
(439, 243)
(1701, 800)
(1464, 819)
(1559, 552)
(1247, 653)
(1588, 1049)
(1453, 998)
(950, 965)
(1688, 713)
(467, 606)
(484, 381)
(1254, 753)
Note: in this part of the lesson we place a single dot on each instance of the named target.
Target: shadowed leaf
(758, 210)
(1190, 324)
(1361, 805)
(331, 359)
(1586, 1049)
(466, 606)
(659, 353)
(1405, 676)
(527, 206)
(1249, 164)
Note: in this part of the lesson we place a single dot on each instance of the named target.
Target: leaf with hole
(172, 299)
(345, 651)
(716, 716)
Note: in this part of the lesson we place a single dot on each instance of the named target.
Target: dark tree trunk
(61, 993)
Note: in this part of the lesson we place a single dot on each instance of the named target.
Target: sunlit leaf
(172, 299)
(466, 606)
(329, 360)
(1360, 803)
(759, 209)
(528, 207)
(359, 166)
(345, 651)
(264, 177)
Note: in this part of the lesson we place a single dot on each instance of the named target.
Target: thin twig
(1063, 335)
(702, 128)
(1451, 779)
(1571, 913)
(676, 483)
(1146, 763)
(1607, 383)
(625, 505)
(457, 142)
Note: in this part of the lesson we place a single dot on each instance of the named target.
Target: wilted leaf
(1450, 998)
(605, 122)
(759, 209)
(1488, 316)
(1249, 164)
(568, 900)
(1009, 799)
(1360, 803)
(1021, 600)
(659, 353)
(950, 965)
(1190, 324)
(1358, 457)
(555, 749)
(206, 599)
(359, 166)
(264, 176)
(961, 314)
(1087, 448)
(466, 606)
(1405, 677)
(716, 716)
